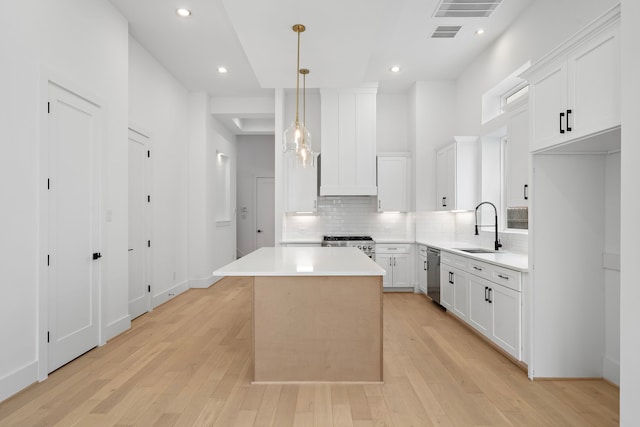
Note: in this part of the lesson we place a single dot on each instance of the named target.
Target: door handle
(444, 202)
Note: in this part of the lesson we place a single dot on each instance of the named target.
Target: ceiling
(346, 43)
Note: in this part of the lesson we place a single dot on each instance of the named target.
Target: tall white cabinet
(457, 174)
(348, 142)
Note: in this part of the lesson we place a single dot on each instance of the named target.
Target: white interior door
(265, 212)
(139, 280)
(73, 226)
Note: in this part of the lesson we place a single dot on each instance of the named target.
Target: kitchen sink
(476, 250)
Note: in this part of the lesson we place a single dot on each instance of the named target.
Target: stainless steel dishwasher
(433, 274)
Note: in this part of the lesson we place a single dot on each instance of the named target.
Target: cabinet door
(505, 329)
(401, 271)
(460, 293)
(446, 286)
(479, 309)
(517, 158)
(422, 273)
(548, 100)
(445, 178)
(392, 184)
(302, 187)
(594, 85)
(386, 261)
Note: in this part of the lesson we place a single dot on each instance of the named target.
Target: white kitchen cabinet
(348, 128)
(396, 260)
(495, 309)
(575, 89)
(454, 282)
(422, 271)
(393, 179)
(301, 187)
(457, 174)
(516, 161)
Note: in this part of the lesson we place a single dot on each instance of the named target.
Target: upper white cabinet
(575, 89)
(516, 162)
(301, 187)
(393, 180)
(457, 174)
(348, 166)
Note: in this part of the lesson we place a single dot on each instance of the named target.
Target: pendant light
(297, 139)
(305, 157)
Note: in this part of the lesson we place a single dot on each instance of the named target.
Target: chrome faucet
(498, 245)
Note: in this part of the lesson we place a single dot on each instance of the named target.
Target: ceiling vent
(466, 8)
(445, 32)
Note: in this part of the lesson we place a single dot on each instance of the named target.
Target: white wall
(255, 159)
(435, 121)
(159, 105)
(630, 252)
(612, 268)
(84, 43)
(392, 123)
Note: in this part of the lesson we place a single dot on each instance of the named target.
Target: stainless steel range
(364, 243)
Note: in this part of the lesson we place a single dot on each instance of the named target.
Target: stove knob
(359, 247)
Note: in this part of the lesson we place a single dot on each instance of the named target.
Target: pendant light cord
(298, 77)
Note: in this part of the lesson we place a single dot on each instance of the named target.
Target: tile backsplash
(355, 215)
(358, 215)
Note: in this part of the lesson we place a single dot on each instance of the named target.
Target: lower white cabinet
(454, 290)
(396, 261)
(422, 268)
(486, 296)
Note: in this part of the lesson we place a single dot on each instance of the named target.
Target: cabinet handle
(394, 261)
(526, 191)
(444, 202)
(490, 296)
(379, 204)
(315, 204)
(424, 265)
(477, 268)
(561, 116)
(503, 277)
(486, 291)
(568, 127)
(451, 277)
(390, 262)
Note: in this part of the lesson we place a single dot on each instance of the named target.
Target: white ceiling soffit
(466, 8)
(336, 45)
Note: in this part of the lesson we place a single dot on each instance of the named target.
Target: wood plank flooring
(188, 363)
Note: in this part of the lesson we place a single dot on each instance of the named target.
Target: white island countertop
(303, 261)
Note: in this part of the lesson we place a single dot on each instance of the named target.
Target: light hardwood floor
(187, 363)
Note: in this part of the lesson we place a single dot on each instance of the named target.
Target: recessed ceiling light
(395, 69)
(183, 12)
(222, 70)
(479, 32)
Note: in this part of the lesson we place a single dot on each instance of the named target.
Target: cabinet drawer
(392, 249)
(454, 260)
(510, 278)
(480, 268)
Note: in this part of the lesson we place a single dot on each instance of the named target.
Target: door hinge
(148, 243)
(149, 199)
(48, 108)
(148, 153)
(47, 336)
(149, 288)
(47, 259)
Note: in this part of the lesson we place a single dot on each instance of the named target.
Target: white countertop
(301, 261)
(513, 260)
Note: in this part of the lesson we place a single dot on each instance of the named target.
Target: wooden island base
(317, 329)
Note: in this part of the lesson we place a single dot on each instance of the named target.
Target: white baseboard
(202, 283)
(612, 371)
(17, 380)
(167, 294)
(117, 327)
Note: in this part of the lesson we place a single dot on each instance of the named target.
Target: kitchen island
(316, 314)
